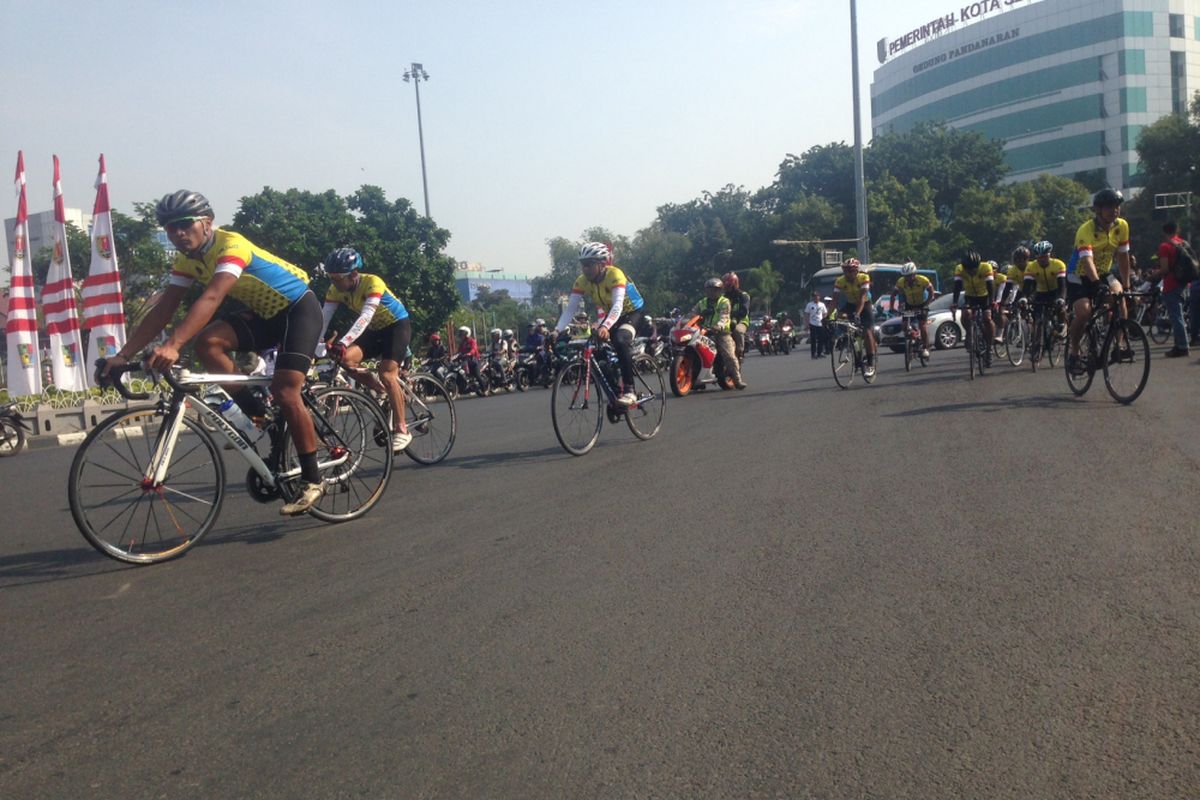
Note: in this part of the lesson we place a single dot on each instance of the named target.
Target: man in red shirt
(1172, 289)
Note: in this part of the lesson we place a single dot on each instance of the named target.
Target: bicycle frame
(592, 366)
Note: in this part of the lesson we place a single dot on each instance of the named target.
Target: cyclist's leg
(234, 333)
(394, 344)
(622, 342)
(868, 323)
(1079, 298)
(301, 329)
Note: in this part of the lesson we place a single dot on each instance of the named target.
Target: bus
(883, 280)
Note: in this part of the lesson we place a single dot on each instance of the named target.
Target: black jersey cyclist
(382, 330)
(282, 311)
(606, 287)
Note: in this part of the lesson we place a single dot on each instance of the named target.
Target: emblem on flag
(19, 247)
(68, 353)
(58, 252)
(25, 351)
(107, 345)
(104, 245)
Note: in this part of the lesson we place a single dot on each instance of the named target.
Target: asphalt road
(927, 587)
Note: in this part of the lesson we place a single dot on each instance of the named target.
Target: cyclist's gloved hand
(336, 351)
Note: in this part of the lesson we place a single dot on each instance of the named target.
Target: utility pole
(415, 74)
(860, 191)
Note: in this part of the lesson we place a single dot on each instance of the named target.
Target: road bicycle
(148, 482)
(914, 345)
(1152, 315)
(585, 392)
(978, 346)
(1045, 338)
(428, 411)
(847, 353)
(1117, 347)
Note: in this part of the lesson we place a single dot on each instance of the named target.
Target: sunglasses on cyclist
(181, 224)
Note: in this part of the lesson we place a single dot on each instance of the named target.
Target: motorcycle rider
(714, 315)
(739, 311)
(467, 352)
(437, 351)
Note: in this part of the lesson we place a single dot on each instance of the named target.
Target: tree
(903, 221)
(763, 284)
(951, 160)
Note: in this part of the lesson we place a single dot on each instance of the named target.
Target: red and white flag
(58, 304)
(24, 362)
(103, 309)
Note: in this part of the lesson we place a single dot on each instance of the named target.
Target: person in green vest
(714, 311)
(739, 312)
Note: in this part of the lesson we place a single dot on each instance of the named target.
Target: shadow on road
(512, 457)
(82, 562)
(1046, 401)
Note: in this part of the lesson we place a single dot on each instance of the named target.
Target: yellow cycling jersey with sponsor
(852, 288)
(601, 294)
(975, 284)
(390, 309)
(916, 291)
(1016, 274)
(1045, 278)
(265, 283)
(1102, 245)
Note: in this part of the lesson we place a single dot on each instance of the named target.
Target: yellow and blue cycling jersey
(917, 290)
(1101, 245)
(600, 294)
(852, 288)
(975, 284)
(390, 309)
(265, 283)
(1045, 278)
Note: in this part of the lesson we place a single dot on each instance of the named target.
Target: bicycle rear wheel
(429, 412)
(1127, 362)
(841, 354)
(645, 418)
(12, 438)
(116, 507)
(576, 409)
(1159, 324)
(356, 461)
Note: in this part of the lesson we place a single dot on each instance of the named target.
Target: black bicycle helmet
(970, 260)
(1107, 198)
(1021, 253)
(343, 260)
(181, 205)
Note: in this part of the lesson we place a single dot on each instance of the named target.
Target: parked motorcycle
(442, 369)
(12, 430)
(697, 361)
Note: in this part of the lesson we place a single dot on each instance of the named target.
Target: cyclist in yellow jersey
(1046, 281)
(1008, 286)
(853, 291)
(283, 311)
(917, 291)
(975, 277)
(606, 287)
(382, 330)
(1102, 250)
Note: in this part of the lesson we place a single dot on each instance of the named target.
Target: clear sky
(540, 118)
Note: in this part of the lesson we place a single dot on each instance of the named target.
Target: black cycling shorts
(978, 302)
(920, 312)
(630, 322)
(867, 318)
(1087, 290)
(1044, 298)
(389, 343)
(295, 331)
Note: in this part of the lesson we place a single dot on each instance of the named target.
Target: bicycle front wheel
(429, 412)
(908, 351)
(1127, 362)
(1014, 340)
(646, 416)
(355, 459)
(576, 409)
(12, 438)
(841, 354)
(1159, 324)
(122, 513)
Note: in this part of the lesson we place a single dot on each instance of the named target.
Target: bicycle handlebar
(113, 379)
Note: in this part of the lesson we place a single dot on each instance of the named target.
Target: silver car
(944, 332)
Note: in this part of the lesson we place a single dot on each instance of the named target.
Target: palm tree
(765, 283)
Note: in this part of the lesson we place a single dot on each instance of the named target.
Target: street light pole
(415, 74)
(860, 192)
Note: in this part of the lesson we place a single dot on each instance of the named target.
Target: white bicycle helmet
(508, 334)
(593, 251)
(495, 332)
(909, 269)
